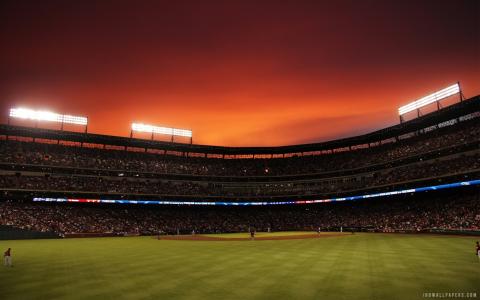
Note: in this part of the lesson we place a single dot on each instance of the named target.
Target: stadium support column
(36, 126)
(462, 97)
(61, 129)
(8, 122)
(86, 131)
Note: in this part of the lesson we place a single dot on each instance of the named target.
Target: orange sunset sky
(237, 73)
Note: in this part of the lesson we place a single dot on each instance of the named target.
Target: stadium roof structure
(454, 111)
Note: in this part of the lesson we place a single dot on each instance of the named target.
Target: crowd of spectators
(130, 186)
(427, 211)
(82, 157)
(420, 170)
(103, 185)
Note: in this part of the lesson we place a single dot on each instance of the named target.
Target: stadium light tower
(432, 98)
(40, 115)
(139, 127)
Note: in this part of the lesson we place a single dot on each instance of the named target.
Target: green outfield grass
(360, 266)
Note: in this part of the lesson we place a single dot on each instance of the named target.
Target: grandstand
(436, 151)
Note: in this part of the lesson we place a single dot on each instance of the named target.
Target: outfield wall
(13, 233)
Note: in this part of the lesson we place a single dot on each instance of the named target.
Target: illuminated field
(360, 266)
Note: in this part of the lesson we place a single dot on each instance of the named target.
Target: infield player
(7, 258)
(252, 234)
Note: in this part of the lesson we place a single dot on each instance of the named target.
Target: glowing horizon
(237, 73)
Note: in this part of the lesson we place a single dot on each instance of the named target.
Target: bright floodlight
(446, 92)
(161, 130)
(23, 113)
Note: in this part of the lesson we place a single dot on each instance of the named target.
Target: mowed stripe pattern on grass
(360, 266)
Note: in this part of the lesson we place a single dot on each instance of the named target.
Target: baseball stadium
(389, 214)
(239, 150)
